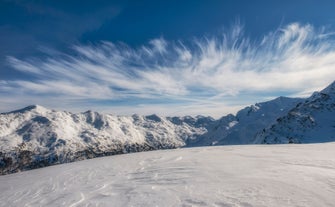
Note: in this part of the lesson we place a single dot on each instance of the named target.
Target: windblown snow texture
(253, 175)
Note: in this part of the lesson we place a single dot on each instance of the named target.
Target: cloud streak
(222, 72)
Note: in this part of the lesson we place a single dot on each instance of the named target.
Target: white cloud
(159, 45)
(293, 60)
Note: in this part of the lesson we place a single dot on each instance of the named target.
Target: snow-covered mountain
(242, 128)
(35, 136)
(311, 121)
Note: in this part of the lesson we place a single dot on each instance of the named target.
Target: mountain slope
(253, 175)
(312, 121)
(242, 128)
(34, 136)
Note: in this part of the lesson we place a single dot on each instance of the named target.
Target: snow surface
(254, 175)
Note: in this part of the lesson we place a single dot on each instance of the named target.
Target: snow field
(254, 175)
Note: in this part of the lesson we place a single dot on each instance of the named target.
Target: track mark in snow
(78, 202)
(142, 163)
(178, 158)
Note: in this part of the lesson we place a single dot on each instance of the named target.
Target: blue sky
(164, 57)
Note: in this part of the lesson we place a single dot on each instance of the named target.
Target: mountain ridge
(311, 121)
(35, 136)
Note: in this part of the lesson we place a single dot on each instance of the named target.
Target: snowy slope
(242, 128)
(35, 136)
(263, 175)
(312, 121)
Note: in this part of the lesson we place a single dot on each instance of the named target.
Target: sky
(164, 57)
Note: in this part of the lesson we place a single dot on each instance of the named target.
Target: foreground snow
(260, 175)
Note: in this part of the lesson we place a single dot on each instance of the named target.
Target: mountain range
(35, 137)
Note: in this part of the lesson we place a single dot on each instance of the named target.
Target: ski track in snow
(78, 202)
(275, 175)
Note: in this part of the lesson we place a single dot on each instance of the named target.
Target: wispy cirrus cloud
(219, 72)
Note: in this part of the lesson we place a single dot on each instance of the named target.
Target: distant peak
(205, 117)
(36, 108)
(153, 117)
(282, 97)
(31, 107)
(329, 89)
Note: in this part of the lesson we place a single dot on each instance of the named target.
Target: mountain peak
(329, 89)
(153, 117)
(31, 108)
